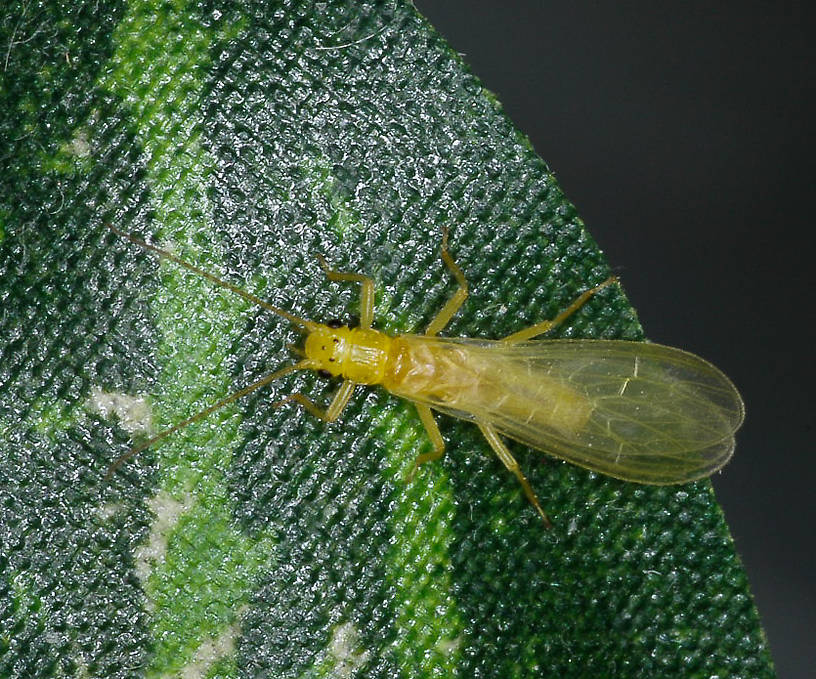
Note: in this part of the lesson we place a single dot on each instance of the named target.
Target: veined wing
(633, 410)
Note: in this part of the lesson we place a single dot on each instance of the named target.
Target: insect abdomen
(471, 378)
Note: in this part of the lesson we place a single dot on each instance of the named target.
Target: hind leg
(500, 448)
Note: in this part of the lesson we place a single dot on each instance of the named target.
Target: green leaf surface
(261, 542)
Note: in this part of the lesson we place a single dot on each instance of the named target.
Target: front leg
(366, 294)
(330, 414)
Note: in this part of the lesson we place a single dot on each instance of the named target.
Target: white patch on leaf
(167, 510)
(80, 146)
(449, 646)
(133, 412)
(344, 650)
(108, 510)
(211, 651)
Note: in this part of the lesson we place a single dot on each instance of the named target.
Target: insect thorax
(357, 354)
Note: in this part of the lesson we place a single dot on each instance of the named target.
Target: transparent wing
(636, 411)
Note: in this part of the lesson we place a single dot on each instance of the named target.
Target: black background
(683, 133)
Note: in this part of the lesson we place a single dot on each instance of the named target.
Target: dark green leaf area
(250, 138)
(70, 598)
(628, 579)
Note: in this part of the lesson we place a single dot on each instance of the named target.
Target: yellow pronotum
(636, 411)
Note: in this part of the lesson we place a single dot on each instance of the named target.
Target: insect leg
(544, 326)
(452, 306)
(330, 414)
(434, 434)
(500, 448)
(366, 295)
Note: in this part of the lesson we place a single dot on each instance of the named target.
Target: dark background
(683, 133)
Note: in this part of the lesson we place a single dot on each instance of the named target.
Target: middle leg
(544, 326)
(434, 434)
(452, 305)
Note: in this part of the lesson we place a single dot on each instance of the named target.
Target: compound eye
(335, 323)
(324, 373)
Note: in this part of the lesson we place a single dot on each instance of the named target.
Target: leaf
(260, 542)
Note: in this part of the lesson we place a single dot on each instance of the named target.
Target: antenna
(302, 322)
(304, 364)
(119, 461)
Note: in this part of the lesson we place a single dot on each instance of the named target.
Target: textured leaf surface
(261, 542)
